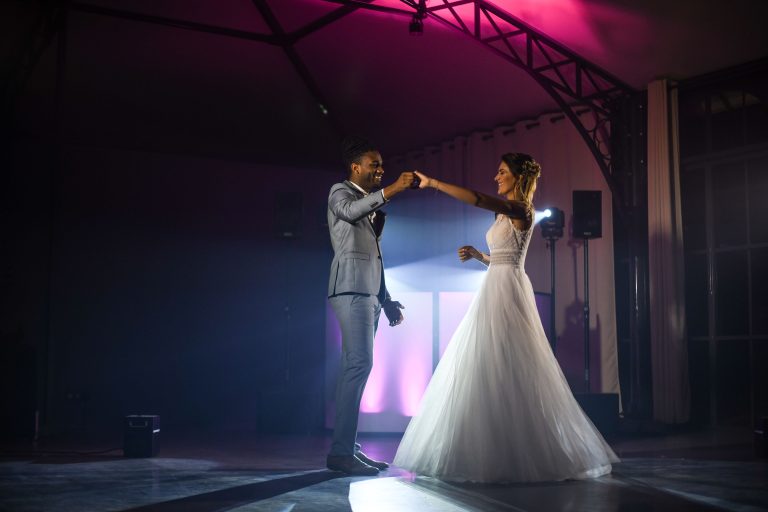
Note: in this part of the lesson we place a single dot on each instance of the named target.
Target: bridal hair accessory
(531, 168)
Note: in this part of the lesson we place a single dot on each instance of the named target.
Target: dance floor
(713, 470)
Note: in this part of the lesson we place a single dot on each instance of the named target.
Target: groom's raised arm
(348, 207)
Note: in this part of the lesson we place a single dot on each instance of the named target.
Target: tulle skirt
(498, 408)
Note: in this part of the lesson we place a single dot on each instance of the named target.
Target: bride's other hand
(468, 252)
(424, 183)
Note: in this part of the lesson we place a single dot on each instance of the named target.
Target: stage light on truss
(416, 27)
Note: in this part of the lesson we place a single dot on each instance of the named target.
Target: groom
(357, 291)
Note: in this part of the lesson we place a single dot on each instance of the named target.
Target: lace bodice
(508, 244)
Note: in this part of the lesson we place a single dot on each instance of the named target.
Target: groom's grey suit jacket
(357, 266)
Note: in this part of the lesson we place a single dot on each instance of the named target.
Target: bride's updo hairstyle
(527, 170)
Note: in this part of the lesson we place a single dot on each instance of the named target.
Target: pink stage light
(373, 396)
(555, 16)
(402, 367)
(416, 365)
(403, 355)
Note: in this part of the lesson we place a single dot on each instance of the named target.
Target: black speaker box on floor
(602, 409)
(141, 435)
(587, 214)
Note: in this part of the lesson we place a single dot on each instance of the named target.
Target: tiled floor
(197, 473)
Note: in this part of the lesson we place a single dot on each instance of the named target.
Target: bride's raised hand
(423, 179)
(468, 252)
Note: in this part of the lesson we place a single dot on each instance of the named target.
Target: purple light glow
(402, 367)
(557, 16)
(416, 372)
(402, 363)
(373, 397)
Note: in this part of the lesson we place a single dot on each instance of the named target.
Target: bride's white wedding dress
(498, 408)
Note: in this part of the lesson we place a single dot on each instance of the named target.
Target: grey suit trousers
(358, 317)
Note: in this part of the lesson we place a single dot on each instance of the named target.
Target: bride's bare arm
(513, 209)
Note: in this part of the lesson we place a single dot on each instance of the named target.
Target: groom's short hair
(353, 148)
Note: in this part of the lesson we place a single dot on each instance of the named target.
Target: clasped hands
(413, 180)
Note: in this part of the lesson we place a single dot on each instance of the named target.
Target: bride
(498, 408)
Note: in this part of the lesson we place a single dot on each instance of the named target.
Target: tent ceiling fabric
(148, 86)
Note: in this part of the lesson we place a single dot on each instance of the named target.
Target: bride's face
(506, 181)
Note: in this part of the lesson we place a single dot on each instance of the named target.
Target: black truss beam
(296, 60)
(171, 22)
(364, 4)
(319, 23)
(273, 39)
(278, 37)
(576, 84)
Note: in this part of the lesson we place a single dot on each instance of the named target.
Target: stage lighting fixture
(552, 224)
(416, 27)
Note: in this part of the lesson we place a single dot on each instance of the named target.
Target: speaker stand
(586, 315)
(552, 323)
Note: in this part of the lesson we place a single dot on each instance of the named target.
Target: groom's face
(369, 171)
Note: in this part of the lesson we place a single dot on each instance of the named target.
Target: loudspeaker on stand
(587, 214)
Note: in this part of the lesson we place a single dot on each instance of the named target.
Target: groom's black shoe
(350, 465)
(381, 466)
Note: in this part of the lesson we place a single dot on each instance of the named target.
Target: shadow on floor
(227, 499)
(59, 457)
